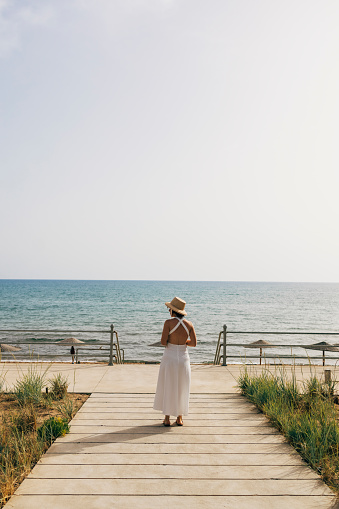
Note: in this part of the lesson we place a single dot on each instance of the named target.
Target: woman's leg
(167, 421)
(179, 420)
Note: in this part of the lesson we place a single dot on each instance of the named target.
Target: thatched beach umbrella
(9, 348)
(324, 347)
(261, 343)
(70, 341)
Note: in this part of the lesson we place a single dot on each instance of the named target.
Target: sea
(137, 310)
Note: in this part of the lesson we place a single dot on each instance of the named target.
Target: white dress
(173, 387)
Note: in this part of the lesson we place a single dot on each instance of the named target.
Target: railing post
(224, 333)
(111, 346)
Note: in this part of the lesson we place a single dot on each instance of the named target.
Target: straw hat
(177, 305)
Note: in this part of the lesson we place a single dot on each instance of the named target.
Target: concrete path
(118, 455)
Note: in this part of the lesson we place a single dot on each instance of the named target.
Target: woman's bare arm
(165, 333)
(192, 341)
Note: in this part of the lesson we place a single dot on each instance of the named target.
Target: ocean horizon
(137, 310)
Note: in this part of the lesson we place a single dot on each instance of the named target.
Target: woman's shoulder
(187, 322)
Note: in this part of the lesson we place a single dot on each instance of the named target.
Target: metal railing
(113, 347)
(221, 354)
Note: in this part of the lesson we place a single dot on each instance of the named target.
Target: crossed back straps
(180, 322)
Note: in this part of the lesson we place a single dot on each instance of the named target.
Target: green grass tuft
(28, 388)
(67, 409)
(307, 418)
(53, 428)
(58, 385)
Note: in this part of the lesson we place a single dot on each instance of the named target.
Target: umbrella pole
(323, 357)
(260, 355)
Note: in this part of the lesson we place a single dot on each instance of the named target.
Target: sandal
(166, 423)
(179, 423)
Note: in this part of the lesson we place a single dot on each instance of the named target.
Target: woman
(72, 353)
(173, 388)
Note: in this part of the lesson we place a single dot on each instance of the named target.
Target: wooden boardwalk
(118, 455)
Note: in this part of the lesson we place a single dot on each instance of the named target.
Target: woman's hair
(179, 315)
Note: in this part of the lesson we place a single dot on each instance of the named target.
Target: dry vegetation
(9, 406)
(30, 420)
(308, 417)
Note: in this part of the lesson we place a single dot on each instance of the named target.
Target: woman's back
(178, 335)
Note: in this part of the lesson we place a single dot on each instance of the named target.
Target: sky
(169, 139)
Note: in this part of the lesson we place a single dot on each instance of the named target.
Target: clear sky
(169, 139)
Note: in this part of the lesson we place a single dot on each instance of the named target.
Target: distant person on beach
(72, 353)
(173, 388)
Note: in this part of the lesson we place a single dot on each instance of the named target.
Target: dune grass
(58, 385)
(307, 416)
(31, 421)
(28, 388)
